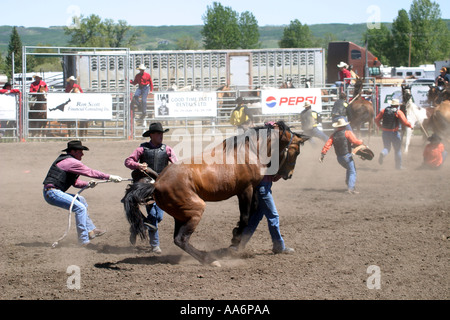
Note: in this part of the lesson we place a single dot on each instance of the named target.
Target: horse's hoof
(216, 264)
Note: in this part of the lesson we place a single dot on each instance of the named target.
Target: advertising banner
(185, 104)
(84, 106)
(8, 110)
(288, 101)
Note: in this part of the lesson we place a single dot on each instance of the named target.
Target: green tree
(380, 43)
(401, 35)
(297, 35)
(14, 48)
(187, 43)
(429, 33)
(117, 34)
(220, 29)
(248, 26)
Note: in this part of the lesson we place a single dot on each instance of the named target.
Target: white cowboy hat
(71, 78)
(340, 123)
(36, 75)
(142, 67)
(307, 104)
(342, 65)
(394, 102)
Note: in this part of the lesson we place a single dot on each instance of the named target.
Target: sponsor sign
(287, 101)
(419, 95)
(185, 104)
(8, 109)
(85, 106)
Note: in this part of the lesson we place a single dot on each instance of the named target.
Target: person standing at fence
(145, 86)
(64, 173)
(389, 120)
(73, 87)
(156, 156)
(37, 83)
(342, 140)
(310, 120)
(343, 74)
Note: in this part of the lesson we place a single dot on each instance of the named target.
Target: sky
(189, 12)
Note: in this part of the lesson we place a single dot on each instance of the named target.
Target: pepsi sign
(288, 101)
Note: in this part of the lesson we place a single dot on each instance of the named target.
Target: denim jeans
(393, 139)
(266, 207)
(347, 162)
(142, 92)
(63, 200)
(154, 216)
(316, 132)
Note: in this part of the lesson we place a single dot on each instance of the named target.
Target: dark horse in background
(38, 111)
(360, 110)
(238, 167)
(439, 114)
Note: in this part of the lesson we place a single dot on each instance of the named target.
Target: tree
(401, 36)
(429, 33)
(187, 43)
(296, 35)
(380, 43)
(221, 29)
(14, 48)
(248, 26)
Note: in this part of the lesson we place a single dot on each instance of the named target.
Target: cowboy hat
(434, 138)
(342, 65)
(142, 67)
(394, 102)
(307, 104)
(340, 123)
(75, 145)
(154, 127)
(71, 78)
(37, 76)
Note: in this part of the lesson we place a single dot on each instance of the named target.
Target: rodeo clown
(64, 173)
(149, 159)
(342, 140)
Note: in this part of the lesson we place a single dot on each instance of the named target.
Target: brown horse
(233, 168)
(38, 111)
(360, 110)
(439, 116)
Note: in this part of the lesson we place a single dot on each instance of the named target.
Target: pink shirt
(75, 166)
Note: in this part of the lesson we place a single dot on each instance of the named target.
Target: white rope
(71, 206)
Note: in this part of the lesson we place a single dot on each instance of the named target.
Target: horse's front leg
(247, 205)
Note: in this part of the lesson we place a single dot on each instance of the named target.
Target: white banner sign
(8, 109)
(83, 106)
(419, 94)
(287, 101)
(186, 104)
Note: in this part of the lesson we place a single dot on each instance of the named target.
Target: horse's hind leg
(182, 234)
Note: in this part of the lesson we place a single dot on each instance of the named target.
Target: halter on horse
(238, 166)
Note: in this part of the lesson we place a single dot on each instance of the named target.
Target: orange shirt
(432, 155)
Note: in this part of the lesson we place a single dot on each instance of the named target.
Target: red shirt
(143, 79)
(432, 155)
(34, 87)
(70, 87)
(350, 137)
(344, 73)
(399, 115)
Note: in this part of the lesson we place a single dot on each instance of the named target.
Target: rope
(71, 206)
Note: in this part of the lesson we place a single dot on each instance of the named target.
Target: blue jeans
(154, 216)
(63, 200)
(316, 132)
(142, 92)
(266, 207)
(347, 162)
(393, 139)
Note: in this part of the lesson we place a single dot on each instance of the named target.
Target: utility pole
(409, 53)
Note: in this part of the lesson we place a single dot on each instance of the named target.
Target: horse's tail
(137, 194)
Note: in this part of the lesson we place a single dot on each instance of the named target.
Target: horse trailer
(203, 69)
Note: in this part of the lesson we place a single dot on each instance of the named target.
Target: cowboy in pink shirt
(64, 173)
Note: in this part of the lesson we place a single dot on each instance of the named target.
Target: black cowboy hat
(75, 145)
(154, 127)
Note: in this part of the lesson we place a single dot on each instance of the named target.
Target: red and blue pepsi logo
(271, 102)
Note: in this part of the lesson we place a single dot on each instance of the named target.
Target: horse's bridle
(286, 149)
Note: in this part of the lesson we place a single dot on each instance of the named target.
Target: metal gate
(10, 117)
(113, 82)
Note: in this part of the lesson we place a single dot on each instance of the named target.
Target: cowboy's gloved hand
(92, 184)
(322, 156)
(115, 178)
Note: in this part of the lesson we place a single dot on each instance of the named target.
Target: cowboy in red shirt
(72, 86)
(344, 72)
(144, 80)
(34, 86)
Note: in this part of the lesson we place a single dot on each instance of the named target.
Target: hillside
(152, 37)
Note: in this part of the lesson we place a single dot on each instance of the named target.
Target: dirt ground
(399, 223)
